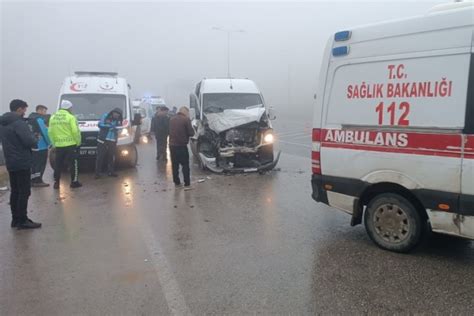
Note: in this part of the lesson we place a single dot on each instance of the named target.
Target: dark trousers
(105, 153)
(180, 156)
(70, 155)
(40, 158)
(20, 184)
(161, 144)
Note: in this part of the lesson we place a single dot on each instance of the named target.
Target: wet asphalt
(235, 245)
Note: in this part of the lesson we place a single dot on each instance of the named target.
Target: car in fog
(93, 94)
(143, 132)
(233, 127)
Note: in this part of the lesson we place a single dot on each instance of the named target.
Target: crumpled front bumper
(210, 164)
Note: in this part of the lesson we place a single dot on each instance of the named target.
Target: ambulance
(93, 94)
(393, 131)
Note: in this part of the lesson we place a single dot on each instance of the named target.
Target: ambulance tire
(393, 223)
(132, 160)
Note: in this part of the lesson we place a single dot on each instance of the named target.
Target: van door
(467, 181)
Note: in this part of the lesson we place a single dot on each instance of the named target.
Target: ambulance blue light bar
(340, 51)
(342, 36)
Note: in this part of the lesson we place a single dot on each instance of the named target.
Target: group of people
(26, 143)
(25, 146)
(178, 129)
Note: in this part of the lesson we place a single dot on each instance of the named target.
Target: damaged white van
(233, 127)
(393, 133)
(93, 94)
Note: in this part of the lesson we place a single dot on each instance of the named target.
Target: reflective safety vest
(63, 129)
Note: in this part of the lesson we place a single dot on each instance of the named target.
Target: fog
(165, 48)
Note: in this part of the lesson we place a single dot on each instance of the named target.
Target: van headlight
(124, 133)
(268, 138)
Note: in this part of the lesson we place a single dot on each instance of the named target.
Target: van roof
(228, 85)
(442, 28)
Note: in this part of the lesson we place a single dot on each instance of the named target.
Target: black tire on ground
(131, 160)
(393, 223)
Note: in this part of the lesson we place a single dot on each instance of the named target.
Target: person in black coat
(160, 125)
(18, 140)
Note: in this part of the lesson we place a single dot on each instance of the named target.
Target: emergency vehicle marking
(78, 86)
(424, 89)
(89, 124)
(428, 144)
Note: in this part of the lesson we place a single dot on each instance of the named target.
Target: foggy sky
(164, 48)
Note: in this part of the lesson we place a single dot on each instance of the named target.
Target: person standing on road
(180, 131)
(37, 122)
(65, 137)
(17, 141)
(109, 125)
(160, 125)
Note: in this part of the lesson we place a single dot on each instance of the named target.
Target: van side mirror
(137, 119)
(271, 114)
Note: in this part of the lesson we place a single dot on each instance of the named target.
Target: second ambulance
(393, 137)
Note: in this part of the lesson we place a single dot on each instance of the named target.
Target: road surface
(236, 245)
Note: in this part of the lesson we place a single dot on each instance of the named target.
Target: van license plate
(87, 152)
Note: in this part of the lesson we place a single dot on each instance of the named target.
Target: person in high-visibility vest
(65, 137)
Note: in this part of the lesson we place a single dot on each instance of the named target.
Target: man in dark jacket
(37, 122)
(109, 126)
(18, 140)
(180, 131)
(160, 125)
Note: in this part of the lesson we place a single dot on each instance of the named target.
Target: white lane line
(302, 136)
(173, 295)
(300, 132)
(296, 144)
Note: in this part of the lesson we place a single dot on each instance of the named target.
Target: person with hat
(109, 125)
(160, 127)
(65, 137)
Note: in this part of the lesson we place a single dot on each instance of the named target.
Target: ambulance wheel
(130, 160)
(393, 223)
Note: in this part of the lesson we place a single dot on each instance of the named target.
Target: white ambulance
(93, 94)
(393, 137)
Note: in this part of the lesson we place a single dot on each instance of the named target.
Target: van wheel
(393, 223)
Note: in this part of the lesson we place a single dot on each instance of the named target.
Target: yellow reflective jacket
(63, 129)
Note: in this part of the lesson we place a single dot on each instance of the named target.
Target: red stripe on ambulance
(428, 144)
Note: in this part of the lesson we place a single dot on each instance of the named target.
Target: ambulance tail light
(316, 151)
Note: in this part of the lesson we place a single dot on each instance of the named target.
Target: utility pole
(229, 32)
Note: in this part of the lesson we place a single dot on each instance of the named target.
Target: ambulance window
(92, 106)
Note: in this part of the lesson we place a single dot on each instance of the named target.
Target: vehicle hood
(219, 122)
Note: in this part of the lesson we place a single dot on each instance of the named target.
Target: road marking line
(292, 133)
(173, 295)
(302, 136)
(296, 144)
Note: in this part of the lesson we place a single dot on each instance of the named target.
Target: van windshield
(90, 107)
(218, 102)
